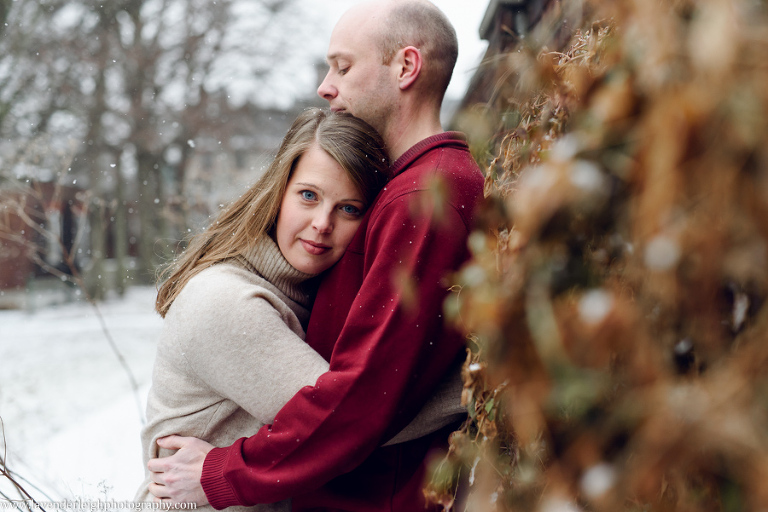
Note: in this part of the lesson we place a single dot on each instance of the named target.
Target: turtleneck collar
(267, 260)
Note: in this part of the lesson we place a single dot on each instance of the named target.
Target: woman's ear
(410, 66)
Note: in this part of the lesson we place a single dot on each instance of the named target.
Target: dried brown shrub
(616, 297)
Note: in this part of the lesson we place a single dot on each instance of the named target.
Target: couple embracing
(247, 410)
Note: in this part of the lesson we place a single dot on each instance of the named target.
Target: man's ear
(410, 62)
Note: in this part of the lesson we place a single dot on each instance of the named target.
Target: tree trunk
(149, 215)
(121, 230)
(96, 278)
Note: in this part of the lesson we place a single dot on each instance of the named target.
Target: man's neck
(407, 131)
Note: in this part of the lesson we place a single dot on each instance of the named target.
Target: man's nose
(327, 90)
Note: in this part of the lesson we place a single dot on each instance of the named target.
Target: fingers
(176, 478)
(176, 491)
(157, 478)
(159, 491)
(173, 442)
(157, 465)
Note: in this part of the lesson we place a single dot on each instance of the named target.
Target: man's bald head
(418, 23)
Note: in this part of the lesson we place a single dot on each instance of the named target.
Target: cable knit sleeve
(242, 341)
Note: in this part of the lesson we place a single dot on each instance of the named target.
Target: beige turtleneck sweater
(231, 354)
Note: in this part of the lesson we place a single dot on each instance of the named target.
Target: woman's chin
(310, 267)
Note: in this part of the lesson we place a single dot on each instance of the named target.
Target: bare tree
(134, 82)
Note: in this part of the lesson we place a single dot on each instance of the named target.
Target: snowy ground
(70, 418)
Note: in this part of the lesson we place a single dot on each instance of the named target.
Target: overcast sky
(465, 15)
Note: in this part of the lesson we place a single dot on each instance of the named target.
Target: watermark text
(93, 505)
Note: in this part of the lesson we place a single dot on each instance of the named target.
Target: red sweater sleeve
(391, 352)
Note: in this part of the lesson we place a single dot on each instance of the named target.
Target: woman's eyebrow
(312, 185)
(306, 184)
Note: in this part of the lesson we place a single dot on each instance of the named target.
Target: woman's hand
(176, 479)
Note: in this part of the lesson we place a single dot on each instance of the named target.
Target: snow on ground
(71, 419)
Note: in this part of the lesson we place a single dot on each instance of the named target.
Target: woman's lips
(314, 248)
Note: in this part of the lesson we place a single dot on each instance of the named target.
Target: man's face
(357, 81)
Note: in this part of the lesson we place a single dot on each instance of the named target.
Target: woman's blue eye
(308, 195)
(349, 209)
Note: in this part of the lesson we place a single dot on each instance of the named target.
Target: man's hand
(176, 479)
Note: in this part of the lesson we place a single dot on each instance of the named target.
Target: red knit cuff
(218, 491)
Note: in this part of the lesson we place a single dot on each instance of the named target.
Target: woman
(236, 302)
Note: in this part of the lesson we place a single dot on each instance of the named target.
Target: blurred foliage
(616, 296)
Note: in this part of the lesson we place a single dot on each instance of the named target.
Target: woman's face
(319, 213)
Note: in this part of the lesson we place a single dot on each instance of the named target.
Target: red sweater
(378, 319)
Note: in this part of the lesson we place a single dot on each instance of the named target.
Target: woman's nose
(322, 222)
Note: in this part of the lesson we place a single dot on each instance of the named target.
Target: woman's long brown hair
(357, 148)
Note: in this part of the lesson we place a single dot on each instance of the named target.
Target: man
(378, 314)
